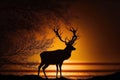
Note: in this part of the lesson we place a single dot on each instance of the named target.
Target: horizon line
(54, 75)
(66, 63)
(92, 70)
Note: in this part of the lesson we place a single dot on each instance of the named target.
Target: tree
(19, 25)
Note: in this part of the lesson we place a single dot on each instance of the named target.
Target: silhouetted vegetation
(20, 21)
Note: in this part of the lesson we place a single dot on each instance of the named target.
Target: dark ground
(115, 76)
(26, 77)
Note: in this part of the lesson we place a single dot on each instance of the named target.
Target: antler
(58, 34)
(74, 37)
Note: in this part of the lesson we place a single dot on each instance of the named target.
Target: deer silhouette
(57, 57)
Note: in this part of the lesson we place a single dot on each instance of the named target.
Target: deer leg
(57, 71)
(60, 65)
(46, 65)
(40, 67)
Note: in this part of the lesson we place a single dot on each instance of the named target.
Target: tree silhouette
(17, 22)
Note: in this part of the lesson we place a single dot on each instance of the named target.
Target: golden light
(57, 44)
(77, 56)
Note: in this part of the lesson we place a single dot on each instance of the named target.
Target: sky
(99, 25)
(25, 29)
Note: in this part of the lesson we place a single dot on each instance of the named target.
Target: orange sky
(98, 31)
(87, 47)
(97, 23)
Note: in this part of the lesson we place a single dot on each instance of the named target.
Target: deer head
(68, 43)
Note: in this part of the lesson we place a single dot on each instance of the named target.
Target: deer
(57, 57)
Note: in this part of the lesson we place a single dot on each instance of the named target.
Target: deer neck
(67, 53)
(67, 49)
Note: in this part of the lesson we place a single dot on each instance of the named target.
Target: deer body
(54, 57)
(57, 57)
